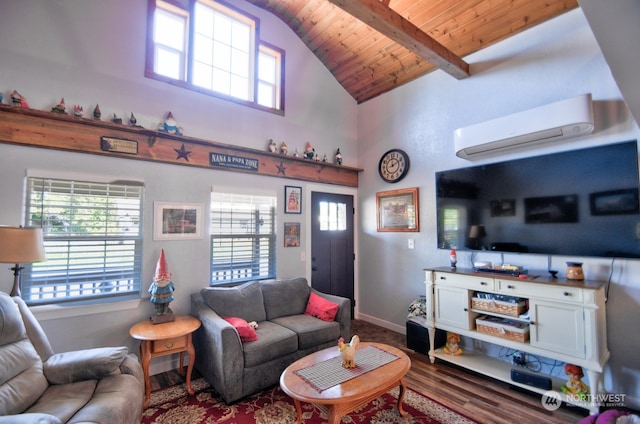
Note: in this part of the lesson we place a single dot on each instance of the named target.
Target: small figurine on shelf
(133, 121)
(575, 387)
(284, 149)
(161, 291)
(453, 257)
(60, 107)
(18, 99)
(296, 154)
(78, 111)
(452, 347)
(348, 351)
(324, 158)
(116, 120)
(338, 157)
(309, 151)
(97, 114)
(273, 147)
(170, 126)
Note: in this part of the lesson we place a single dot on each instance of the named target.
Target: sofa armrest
(87, 364)
(131, 365)
(344, 312)
(220, 357)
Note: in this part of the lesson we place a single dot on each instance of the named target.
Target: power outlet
(411, 244)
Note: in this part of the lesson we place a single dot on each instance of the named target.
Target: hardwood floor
(480, 398)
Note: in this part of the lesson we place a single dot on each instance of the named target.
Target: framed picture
(397, 210)
(503, 207)
(614, 202)
(291, 234)
(292, 199)
(551, 210)
(177, 221)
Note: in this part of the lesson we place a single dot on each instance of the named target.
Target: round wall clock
(393, 165)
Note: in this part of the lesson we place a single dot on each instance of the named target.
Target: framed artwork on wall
(292, 199)
(177, 221)
(614, 202)
(291, 234)
(551, 209)
(398, 210)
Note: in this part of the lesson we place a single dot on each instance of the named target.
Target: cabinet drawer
(560, 294)
(464, 281)
(169, 344)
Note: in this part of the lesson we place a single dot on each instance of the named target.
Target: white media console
(566, 322)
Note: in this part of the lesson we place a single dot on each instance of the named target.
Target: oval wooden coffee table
(343, 398)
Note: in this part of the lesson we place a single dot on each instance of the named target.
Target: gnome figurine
(161, 291)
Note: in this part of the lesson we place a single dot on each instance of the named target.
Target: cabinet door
(558, 327)
(452, 307)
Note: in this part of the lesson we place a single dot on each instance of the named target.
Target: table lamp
(19, 245)
(476, 232)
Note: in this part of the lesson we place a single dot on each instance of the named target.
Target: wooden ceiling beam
(377, 15)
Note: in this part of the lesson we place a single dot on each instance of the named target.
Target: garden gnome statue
(575, 387)
(161, 291)
(338, 157)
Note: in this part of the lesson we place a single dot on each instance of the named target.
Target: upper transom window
(211, 48)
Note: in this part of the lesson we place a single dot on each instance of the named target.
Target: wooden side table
(165, 339)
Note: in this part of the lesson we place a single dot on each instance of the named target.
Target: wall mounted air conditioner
(545, 124)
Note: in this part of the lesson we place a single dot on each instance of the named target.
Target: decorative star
(183, 153)
(281, 168)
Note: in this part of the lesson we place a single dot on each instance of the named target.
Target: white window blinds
(92, 238)
(243, 237)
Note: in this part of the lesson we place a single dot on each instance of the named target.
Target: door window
(333, 216)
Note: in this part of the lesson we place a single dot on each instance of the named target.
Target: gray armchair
(101, 385)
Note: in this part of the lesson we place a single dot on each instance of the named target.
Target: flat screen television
(576, 203)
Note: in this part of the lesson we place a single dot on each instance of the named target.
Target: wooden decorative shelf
(50, 130)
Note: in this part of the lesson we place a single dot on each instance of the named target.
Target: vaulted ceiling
(373, 46)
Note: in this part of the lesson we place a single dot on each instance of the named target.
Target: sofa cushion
(285, 297)
(87, 364)
(245, 331)
(65, 400)
(35, 418)
(322, 308)
(244, 301)
(311, 331)
(273, 341)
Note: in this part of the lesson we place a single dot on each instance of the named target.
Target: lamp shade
(19, 245)
(477, 231)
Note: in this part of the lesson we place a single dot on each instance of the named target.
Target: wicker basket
(498, 306)
(502, 329)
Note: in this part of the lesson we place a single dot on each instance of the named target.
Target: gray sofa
(101, 385)
(236, 369)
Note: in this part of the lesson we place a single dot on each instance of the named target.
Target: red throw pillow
(246, 332)
(321, 308)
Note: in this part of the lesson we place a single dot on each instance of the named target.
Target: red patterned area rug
(174, 406)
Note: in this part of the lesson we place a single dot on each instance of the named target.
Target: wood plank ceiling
(373, 46)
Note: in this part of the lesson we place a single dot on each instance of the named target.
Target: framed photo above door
(398, 210)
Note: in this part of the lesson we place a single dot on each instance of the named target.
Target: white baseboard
(385, 324)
